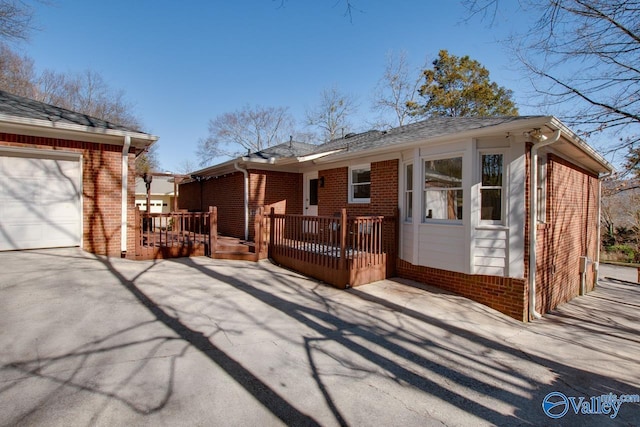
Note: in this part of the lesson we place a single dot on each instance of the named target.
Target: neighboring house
(162, 195)
(468, 190)
(67, 179)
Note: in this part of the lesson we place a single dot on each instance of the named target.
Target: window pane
(409, 205)
(491, 208)
(313, 192)
(361, 191)
(444, 173)
(492, 170)
(443, 204)
(409, 179)
(360, 176)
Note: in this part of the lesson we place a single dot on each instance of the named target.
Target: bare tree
(397, 86)
(331, 114)
(583, 55)
(15, 20)
(87, 93)
(186, 166)
(247, 129)
(17, 75)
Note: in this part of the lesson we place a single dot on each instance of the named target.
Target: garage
(40, 199)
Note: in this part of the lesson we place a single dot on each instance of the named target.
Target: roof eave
(581, 144)
(537, 121)
(74, 131)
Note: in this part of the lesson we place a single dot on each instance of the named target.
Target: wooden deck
(344, 252)
(340, 250)
(182, 234)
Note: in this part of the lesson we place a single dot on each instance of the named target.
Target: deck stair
(234, 249)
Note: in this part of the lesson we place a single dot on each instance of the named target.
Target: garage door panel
(40, 203)
(63, 212)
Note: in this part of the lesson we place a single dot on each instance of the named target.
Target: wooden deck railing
(170, 235)
(340, 250)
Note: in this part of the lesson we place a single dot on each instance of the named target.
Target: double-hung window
(408, 192)
(443, 195)
(360, 184)
(491, 168)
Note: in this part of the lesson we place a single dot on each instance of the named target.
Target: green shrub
(621, 253)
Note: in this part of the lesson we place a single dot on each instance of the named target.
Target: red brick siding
(384, 191)
(101, 189)
(281, 190)
(507, 295)
(225, 192)
(571, 231)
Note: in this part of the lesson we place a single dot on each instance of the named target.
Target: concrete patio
(86, 340)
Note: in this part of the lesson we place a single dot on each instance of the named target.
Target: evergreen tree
(459, 87)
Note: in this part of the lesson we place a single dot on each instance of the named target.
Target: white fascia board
(73, 131)
(316, 156)
(582, 145)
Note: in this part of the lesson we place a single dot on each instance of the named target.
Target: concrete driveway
(92, 341)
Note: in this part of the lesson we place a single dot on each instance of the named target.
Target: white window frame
(408, 191)
(426, 220)
(351, 183)
(501, 187)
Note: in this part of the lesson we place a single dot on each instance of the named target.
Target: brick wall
(281, 190)
(101, 189)
(571, 231)
(384, 191)
(507, 295)
(225, 192)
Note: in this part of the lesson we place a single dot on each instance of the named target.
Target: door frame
(307, 208)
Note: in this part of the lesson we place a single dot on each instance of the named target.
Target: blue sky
(183, 63)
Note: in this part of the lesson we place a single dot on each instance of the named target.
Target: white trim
(352, 199)
(316, 156)
(41, 153)
(417, 201)
(62, 126)
(404, 190)
(443, 156)
(125, 179)
(503, 210)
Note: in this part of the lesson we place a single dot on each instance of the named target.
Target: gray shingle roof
(283, 151)
(19, 106)
(430, 128)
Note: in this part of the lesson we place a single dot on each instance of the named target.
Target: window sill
(491, 227)
(456, 223)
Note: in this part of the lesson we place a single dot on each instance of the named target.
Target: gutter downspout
(597, 263)
(533, 220)
(246, 199)
(125, 195)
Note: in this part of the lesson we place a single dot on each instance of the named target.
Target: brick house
(468, 190)
(67, 179)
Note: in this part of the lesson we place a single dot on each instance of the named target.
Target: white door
(310, 207)
(40, 202)
(310, 194)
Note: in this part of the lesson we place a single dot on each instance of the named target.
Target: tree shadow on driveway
(354, 357)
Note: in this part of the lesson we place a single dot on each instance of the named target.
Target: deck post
(213, 230)
(272, 230)
(257, 230)
(138, 233)
(342, 264)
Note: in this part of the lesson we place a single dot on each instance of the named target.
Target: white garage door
(39, 201)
